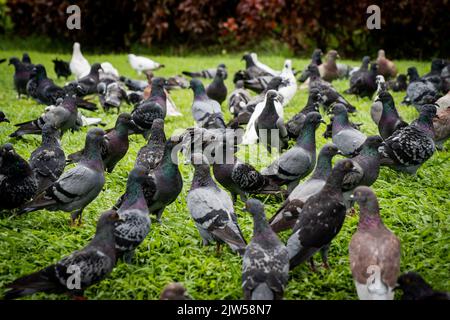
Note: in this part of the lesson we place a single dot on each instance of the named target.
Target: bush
(409, 27)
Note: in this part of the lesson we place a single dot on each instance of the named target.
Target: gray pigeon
(17, 181)
(299, 161)
(373, 250)
(287, 215)
(92, 263)
(22, 75)
(419, 91)
(238, 99)
(344, 136)
(390, 120)
(414, 287)
(269, 122)
(265, 266)
(321, 219)
(87, 84)
(409, 147)
(111, 94)
(205, 109)
(64, 116)
(258, 84)
(77, 187)
(48, 161)
(295, 124)
(362, 69)
(134, 224)
(150, 155)
(207, 73)
(217, 90)
(212, 209)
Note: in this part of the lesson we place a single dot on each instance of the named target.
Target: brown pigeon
(386, 67)
(329, 70)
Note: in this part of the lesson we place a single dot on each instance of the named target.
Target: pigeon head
(96, 67)
(95, 141)
(381, 53)
(313, 70)
(385, 97)
(314, 95)
(287, 65)
(428, 110)
(401, 78)
(366, 60)
(222, 65)
(317, 54)
(202, 174)
(437, 65)
(314, 118)
(197, 87)
(14, 61)
(275, 83)
(323, 167)
(105, 226)
(379, 79)
(368, 207)
(413, 75)
(239, 84)
(329, 150)
(137, 176)
(12, 164)
(374, 67)
(339, 110)
(220, 73)
(124, 123)
(174, 291)
(26, 58)
(333, 55)
(39, 72)
(271, 95)
(341, 168)
(50, 133)
(371, 144)
(413, 285)
(256, 209)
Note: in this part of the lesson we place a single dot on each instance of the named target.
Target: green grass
(415, 208)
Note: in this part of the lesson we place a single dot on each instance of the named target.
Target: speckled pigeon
(299, 161)
(329, 95)
(134, 224)
(17, 182)
(217, 90)
(238, 99)
(115, 146)
(390, 120)
(295, 124)
(92, 264)
(205, 109)
(399, 84)
(152, 108)
(287, 214)
(414, 287)
(409, 147)
(22, 75)
(321, 219)
(48, 161)
(212, 209)
(150, 155)
(374, 251)
(419, 91)
(77, 187)
(64, 116)
(265, 266)
(344, 136)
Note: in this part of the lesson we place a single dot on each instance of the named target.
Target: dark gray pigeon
(364, 68)
(111, 94)
(316, 59)
(373, 249)
(152, 108)
(434, 76)
(269, 122)
(409, 147)
(87, 84)
(299, 161)
(238, 99)
(252, 71)
(414, 287)
(115, 146)
(92, 263)
(445, 76)
(43, 89)
(217, 90)
(64, 116)
(174, 291)
(77, 187)
(164, 183)
(390, 120)
(48, 161)
(150, 155)
(399, 84)
(3, 117)
(265, 266)
(329, 95)
(321, 219)
(17, 182)
(205, 109)
(344, 136)
(419, 91)
(62, 68)
(212, 209)
(134, 224)
(22, 75)
(207, 73)
(257, 85)
(364, 83)
(295, 124)
(287, 214)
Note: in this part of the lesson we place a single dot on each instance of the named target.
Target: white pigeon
(141, 64)
(79, 66)
(250, 135)
(108, 68)
(172, 109)
(263, 66)
(288, 91)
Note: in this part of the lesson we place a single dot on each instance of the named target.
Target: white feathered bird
(79, 66)
(250, 135)
(263, 66)
(141, 64)
(288, 91)
(108, 68)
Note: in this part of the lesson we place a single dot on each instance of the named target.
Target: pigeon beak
(322, 121)
(339, 152)
(352, 197)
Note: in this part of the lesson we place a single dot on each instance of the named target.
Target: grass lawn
(415, 208)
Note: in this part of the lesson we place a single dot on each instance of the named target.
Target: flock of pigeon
(314, 210)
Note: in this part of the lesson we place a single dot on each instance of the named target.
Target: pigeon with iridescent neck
(204, 109)
(299, 161)
(150, 155)
(48, 161)
(374, 251)
(77, 187)
(134, 224)
(390, 121)
(409, 147)
(212, 209)
(17, 181)
(265, 266)
(287, 214)
(217, 89)
(22, 74)
(321, 219)
(344, 136)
